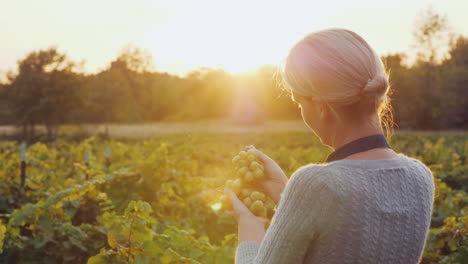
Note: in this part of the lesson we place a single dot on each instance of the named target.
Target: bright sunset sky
(237, 35)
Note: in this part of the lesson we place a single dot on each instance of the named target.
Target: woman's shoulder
(400, 161)
(419, 164)
(311, 172)
(422, 168)
(334, 174)
(320, 176)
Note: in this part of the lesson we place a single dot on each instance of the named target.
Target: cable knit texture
(349, 211)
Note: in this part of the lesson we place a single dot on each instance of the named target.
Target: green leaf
(98, 259)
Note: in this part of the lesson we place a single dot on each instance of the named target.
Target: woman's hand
(275, 181)
(251, 227)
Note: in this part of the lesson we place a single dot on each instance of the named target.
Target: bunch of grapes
(249, 168)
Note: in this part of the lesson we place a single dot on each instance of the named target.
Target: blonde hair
(338, 67)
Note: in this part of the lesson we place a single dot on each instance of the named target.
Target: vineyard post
(23, 165)
(86, 156)
(107, 154)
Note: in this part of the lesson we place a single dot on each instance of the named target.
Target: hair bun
(376, 85)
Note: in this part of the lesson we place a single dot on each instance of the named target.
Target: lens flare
(216, 206)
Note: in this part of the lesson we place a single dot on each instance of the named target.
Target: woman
(367, 204)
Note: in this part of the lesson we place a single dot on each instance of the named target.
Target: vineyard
(157, 200)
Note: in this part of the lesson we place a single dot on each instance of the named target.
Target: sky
(181, 35)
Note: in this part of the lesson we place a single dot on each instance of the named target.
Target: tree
(456, 70)
(431, 37)
(122, 92)
(45, 91)
(135, 59)
(427, 80)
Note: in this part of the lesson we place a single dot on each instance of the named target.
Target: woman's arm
(306, 205)
(251, 229)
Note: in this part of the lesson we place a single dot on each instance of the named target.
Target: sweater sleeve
(307, 203)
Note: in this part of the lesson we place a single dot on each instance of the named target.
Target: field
(153, 200)
(216, 126)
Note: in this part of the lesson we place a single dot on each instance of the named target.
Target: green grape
(249, 176)
(251, 157)
(254, 165)
(242, 154)
(243, 162)
(252, 152)
(256, 206)
(258, 173)
(270, 204)
(258, 209)
(242, 171)
(248, 168)
(257, 196)
(263, 213)
(237, 186)
(247, 201)
(245, 193)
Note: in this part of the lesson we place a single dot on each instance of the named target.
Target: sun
(233, 38)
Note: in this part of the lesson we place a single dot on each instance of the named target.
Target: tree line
(48, 89)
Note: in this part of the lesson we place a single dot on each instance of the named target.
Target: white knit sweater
(349, 211)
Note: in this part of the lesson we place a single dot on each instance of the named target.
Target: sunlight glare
(216, 206)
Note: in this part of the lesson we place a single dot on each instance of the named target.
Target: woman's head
(338, 80)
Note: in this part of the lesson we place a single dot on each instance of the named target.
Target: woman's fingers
(233, 197)
(263, 157)
(238, 207)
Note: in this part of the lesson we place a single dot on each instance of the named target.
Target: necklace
(359, 145)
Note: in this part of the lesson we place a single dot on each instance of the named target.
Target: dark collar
(359, 145)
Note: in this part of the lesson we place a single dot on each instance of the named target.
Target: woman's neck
(353, 132)
(373, 154)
